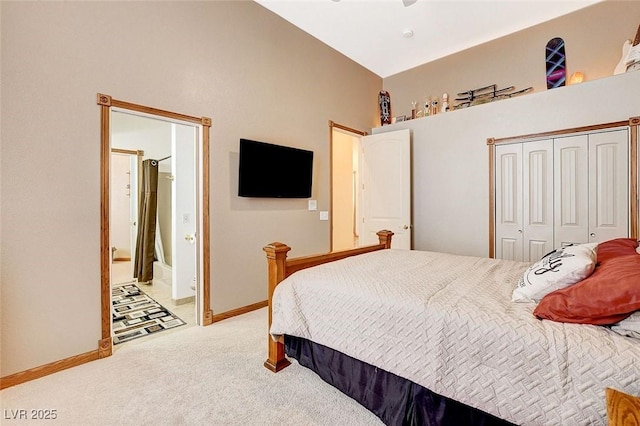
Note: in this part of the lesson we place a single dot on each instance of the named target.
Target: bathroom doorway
(168, 288)
(143, 146)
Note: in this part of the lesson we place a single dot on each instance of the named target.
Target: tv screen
(274, 171)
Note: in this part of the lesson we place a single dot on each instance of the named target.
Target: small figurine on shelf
(445, 102)
(434, 106)
(413, 109)
(427, 107)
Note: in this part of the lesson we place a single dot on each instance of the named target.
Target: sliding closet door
(608, 185)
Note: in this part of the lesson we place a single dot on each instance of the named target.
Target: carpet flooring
(190, 376)
(135, 314)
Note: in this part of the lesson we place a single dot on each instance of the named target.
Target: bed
(432, 338)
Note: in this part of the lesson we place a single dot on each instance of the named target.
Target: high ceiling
(374, 32)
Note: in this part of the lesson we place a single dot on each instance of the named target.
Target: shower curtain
(145, 246)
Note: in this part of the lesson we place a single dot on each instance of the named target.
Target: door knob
(592, 235)
(405, 227)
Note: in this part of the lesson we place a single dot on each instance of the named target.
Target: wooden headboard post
(276, 261)
(384, 237)
(280, 268)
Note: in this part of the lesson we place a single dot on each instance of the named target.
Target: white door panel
(386, 187)
(509, 229)
(537, 167)
(571, 190)
(608, 185)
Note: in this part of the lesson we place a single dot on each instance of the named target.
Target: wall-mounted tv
(274, 171)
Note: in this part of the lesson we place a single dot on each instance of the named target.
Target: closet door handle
(519, 231)
(592, 235)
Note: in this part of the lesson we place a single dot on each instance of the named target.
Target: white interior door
(385, 176)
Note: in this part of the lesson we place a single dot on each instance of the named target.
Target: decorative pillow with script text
(558, 269)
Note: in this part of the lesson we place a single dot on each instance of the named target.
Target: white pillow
(629, 326)
(558, 269)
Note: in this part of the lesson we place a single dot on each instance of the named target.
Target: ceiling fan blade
(408, 2)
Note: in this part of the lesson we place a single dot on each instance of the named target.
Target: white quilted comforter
(447, 323)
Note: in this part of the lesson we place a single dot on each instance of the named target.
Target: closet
(566, 187)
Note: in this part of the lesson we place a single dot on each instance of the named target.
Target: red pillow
(614, 248)
(608, 296)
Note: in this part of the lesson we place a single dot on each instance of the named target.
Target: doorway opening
(345, 187)
(143, 148)
(370, 181)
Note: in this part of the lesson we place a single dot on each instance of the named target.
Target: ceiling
(370, 32)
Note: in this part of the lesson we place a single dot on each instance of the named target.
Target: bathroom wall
(165, 215)
(120, 213)
(183, 210)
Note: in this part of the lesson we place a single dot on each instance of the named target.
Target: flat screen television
(274, 171)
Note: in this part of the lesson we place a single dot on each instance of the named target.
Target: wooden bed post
(276, 258)
(280, 268)
(385, 238)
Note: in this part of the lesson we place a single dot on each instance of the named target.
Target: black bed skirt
(396, 401)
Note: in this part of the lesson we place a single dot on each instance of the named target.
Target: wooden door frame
(106, 102)
(333, 125)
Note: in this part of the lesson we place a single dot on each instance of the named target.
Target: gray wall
(450, 159)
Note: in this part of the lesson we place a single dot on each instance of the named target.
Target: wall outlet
(313, 205)
(324, 215)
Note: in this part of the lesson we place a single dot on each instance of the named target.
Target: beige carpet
(198, 376)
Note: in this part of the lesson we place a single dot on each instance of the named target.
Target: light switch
(313, 205)
(324, 215)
